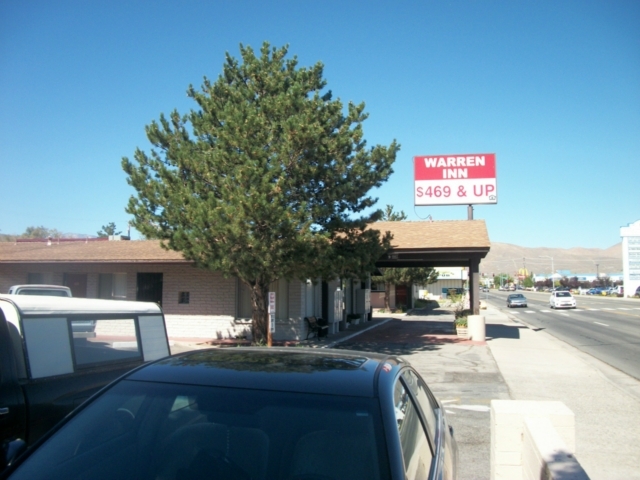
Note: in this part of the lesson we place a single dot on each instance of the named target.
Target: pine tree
(107, 230)
(268, 178)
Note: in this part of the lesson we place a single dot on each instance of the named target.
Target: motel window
(40, 278)
(183, 297)
(112, 286)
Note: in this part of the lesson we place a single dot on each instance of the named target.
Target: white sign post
(272, 312)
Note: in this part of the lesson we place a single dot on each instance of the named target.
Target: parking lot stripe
(603, 324)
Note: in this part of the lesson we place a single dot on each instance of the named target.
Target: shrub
(460, 322)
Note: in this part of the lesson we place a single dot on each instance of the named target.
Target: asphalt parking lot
(463, 375)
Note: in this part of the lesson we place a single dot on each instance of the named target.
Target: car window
(104, 341)
(416, 450)
(169, 431)
(563, 294)
(425, 400)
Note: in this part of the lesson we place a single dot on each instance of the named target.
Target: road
(607, 328)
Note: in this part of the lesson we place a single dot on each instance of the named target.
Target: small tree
(404, 276)
(108, 230)
(41, 232)
(390, 216)
(267, 179)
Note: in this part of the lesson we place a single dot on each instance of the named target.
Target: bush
(421, 303)
(460, 322)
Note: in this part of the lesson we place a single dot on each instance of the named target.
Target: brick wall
(212, 306)
(209, 292)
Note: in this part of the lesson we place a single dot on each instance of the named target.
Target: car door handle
(4, 410)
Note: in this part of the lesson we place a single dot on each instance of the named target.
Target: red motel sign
(460, 179)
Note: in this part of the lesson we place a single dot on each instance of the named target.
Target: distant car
(637, 294)
(485, 289)
(562, 299)
(241, 413)
(46, 290)
(516, 300)
(595, 291)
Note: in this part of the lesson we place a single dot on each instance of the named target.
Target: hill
(508, 258)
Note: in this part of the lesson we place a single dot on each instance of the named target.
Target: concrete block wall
(125, 328)
(206, 327)
(509, 449)
(545, 456)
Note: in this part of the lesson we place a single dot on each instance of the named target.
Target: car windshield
(563, 294)
(517, 296)
(46, 293)
(142, 430)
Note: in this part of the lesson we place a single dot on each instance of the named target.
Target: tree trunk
(387, 289)
(260, 314)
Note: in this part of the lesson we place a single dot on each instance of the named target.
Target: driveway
(462, 374)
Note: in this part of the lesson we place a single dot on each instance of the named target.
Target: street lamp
(552, 269)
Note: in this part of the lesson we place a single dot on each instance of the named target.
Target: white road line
(565, 314)
(545, 311)
(594, 309)
(621, 308)
(529, 311)
(608, 309)
(603, 324)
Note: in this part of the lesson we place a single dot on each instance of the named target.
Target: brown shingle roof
(425, 235)
(144, 251)
(420, 235)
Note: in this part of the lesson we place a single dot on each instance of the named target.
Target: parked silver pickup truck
(48, 366)
(48, 290)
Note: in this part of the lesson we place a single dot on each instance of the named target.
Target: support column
(474, 285)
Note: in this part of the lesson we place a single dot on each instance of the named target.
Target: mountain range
(508, 258)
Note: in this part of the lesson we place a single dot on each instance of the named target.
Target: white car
(562, 299)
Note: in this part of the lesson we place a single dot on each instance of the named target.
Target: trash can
(476, 326)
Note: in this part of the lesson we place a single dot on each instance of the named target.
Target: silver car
(516, 300)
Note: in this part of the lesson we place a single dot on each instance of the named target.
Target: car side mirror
(11, 451)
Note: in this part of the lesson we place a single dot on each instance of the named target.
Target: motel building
(202, 304)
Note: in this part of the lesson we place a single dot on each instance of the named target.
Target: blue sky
(551, 87)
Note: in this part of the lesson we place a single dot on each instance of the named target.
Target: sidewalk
(534, 365)
(605, 402)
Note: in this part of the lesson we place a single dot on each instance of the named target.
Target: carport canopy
(448, 243)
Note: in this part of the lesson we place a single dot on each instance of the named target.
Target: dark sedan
(254, 413)
(516, 300)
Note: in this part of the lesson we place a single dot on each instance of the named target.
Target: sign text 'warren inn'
(455, 179)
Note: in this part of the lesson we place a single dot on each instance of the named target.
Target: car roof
(303, 370)
(46, 305)
(39, 286)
